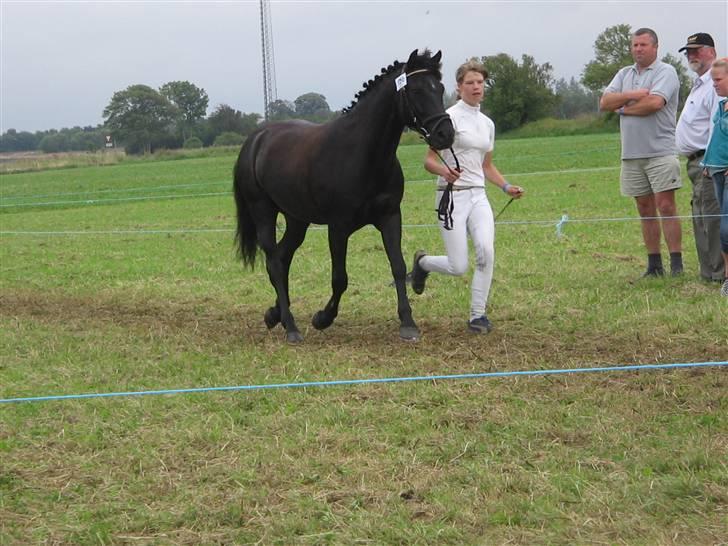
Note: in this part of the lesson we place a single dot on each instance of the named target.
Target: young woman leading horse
(344, 173)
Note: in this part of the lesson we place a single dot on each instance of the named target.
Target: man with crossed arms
(645, 95)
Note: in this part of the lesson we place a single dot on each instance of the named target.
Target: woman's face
(720, 80)
(472, 88)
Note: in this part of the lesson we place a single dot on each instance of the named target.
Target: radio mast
(269, 70)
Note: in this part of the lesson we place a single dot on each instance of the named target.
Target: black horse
(344, 173)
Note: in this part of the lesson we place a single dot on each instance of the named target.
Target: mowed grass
(123, 278)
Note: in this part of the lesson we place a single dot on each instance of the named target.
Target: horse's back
(316, 174)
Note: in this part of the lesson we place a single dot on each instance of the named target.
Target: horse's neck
(379, 114)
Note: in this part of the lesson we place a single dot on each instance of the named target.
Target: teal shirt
(716, 154)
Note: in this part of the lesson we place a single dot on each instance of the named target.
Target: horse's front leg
(338, 244)
(391, 228)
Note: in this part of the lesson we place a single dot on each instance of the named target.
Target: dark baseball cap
(698, 40)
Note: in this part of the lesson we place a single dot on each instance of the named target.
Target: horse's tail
(246, 235)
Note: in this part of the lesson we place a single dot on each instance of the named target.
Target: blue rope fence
(303, 385)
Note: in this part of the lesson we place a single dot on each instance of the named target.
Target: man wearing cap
(645, 96)
(691, 137)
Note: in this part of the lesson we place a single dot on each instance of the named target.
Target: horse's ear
(437, 57)
(412, 57)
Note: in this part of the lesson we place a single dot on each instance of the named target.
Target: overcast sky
(62, 61)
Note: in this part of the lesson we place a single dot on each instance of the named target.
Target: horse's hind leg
(292, 238)
(277, 272)
(338, 243)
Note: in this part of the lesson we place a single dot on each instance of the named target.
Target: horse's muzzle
(442, 133)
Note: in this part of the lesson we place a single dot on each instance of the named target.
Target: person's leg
(647, 210)
(666, 206)
(706, 222)
(664, 176)
(721, 194)
(481, 228)
(635, 183)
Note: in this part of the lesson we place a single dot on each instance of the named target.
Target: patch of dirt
(446, 344)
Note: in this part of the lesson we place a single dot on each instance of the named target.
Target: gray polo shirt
(653, 135)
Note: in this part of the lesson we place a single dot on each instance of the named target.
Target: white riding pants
(471, 216)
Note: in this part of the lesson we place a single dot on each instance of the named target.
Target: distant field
(123, 278)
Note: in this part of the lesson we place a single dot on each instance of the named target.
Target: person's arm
(494, 176)
(664, 86)
(644, 107)
(611, 102)
(435, 166)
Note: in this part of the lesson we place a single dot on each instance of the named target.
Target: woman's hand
(515, 191)
(450, 175)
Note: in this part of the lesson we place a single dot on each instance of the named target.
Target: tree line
(142, 119)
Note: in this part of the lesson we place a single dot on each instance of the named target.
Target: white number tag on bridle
(401, 81)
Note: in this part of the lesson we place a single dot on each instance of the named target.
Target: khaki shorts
(650, 175)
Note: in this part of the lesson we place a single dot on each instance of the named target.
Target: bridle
(446, 206)
(420, 125)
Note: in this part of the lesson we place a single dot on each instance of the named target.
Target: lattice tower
(269, 71)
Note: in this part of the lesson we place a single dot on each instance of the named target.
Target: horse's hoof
(272, 317)
(294, 337)
(409, 333)
(320, 321)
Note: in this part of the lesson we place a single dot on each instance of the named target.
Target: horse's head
(421, 89)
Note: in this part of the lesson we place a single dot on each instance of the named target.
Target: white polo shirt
(474, 137)
(693, 127)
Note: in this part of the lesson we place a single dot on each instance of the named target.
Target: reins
(446, 206)
(504, 208)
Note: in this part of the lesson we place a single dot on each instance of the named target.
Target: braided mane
(422, 61)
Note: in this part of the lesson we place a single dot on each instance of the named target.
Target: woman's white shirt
(474, 137)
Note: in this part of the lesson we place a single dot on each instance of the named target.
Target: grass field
(123, 278)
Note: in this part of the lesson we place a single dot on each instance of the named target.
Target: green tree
(191, 103)
(87, 139)
(280, 110)
(14, 141)
(313, 107)
(229, 139)
(192, 142)
(139, 117)
(518, 93)
(55, 142)
(612, 52)
(686, 83)
(227, 119)
(574, 99)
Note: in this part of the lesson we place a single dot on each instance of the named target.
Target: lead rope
(447, 205)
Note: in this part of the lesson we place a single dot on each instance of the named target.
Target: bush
(192, 142)
(228, 138)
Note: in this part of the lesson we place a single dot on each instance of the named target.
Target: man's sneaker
(480, 325)
(418, 275)
(724, 289)
(655, 272)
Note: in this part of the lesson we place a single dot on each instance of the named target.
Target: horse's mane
(423, 60)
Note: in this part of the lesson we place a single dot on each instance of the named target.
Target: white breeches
(472, 216)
